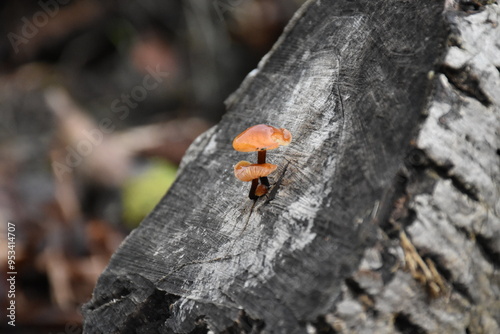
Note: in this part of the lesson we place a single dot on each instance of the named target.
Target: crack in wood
(107, 302)
(462, 290)
(458, 287)
(323, 327)
(393, 211)
(183, 265)
(404, 324)
(472, 6)
(360, 294)
(112, 298)
(244, 227)
(443, 170)
(466, 82)
(488, 251)
(274, 190)
(227, 296)
(465, 188)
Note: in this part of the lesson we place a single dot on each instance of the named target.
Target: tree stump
(384, 213)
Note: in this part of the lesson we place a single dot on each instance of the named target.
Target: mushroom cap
(246, 172)
(261, 137)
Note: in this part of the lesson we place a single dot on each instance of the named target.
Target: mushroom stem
(261, 159)
(265, 181)
(251, 195)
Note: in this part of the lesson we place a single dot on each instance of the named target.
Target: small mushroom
(246, 172)
(261, 190)
(261, 138)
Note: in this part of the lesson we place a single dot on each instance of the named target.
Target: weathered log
(384, 213)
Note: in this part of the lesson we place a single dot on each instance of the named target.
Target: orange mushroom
(246, 172)
(261, 190)
(261, 138)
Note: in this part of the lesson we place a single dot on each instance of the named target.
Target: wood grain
(390, 138)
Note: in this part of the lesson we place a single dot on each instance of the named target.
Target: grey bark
(384, 211)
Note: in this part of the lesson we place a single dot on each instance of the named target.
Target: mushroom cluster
(258, 138)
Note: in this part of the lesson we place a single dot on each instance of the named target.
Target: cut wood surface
(383, 215)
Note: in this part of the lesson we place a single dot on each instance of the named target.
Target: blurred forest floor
(98, 102)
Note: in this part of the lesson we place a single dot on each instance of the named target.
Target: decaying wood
(384, 213)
